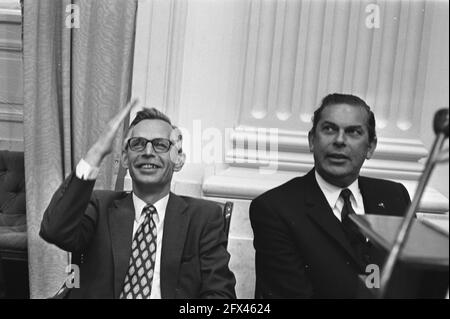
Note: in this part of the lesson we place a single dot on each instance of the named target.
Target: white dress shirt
(332, 194)
(86, 172)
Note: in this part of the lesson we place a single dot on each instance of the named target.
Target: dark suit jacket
(99, 224)
(301, 249)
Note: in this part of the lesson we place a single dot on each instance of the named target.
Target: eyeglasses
(160, 145)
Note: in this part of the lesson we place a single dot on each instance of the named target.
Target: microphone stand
(405, 227)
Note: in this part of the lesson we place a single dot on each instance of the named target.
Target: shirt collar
(160, 206)
(332, 192)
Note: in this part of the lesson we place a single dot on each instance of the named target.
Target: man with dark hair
(146, 244)
(306, 245)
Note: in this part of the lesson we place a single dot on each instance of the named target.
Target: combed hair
(147, 114)
(337, 98)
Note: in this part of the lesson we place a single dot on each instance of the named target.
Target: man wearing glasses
(149, 243)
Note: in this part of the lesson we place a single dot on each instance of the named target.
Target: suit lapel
(373, 202)
(176, 224)
(321, 213)
(121, 220)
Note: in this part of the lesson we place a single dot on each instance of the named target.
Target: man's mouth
(337, 156)
(148, 166)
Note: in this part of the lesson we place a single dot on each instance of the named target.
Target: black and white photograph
(245, 151)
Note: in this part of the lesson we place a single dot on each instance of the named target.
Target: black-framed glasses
(160, 145)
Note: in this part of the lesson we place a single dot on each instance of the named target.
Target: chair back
(227, 211)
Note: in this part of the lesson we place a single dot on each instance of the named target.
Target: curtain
(77, 74)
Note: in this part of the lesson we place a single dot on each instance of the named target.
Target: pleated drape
(75, 80)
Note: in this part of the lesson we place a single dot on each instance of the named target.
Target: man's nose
(340, 137)
(149, 149)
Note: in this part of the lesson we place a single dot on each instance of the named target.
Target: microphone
(440, 126)
(440, 123)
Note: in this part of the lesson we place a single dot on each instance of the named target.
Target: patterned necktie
(356, 239)
(138, 281)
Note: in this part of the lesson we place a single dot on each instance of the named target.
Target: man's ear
(372, 147)
(311, 141)
(124, 159)
(179, 162)
(176, 152)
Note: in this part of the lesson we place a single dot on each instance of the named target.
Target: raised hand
(104, 145)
